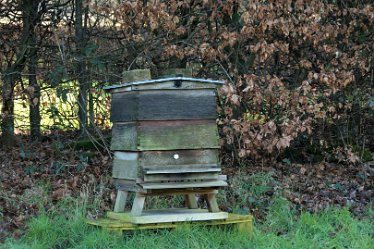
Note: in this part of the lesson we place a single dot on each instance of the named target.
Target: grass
(65, 227)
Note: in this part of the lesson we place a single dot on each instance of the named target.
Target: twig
(227, 74)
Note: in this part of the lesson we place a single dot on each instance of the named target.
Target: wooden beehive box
(165, 135)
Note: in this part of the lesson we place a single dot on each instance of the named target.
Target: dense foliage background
(299, 73)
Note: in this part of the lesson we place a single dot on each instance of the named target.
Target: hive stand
(165, 142)
(191, 213)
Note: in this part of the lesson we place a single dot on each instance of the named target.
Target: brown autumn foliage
(299, 73)
(295, 70)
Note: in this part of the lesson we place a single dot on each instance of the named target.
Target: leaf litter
(38, 176)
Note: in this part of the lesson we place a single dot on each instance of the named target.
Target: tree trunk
(32, 66)
(7, 110)
(34, 98)
(13, 71)
(81, 66)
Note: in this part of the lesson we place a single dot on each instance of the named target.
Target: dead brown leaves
(38, 175)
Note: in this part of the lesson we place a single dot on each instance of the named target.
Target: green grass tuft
(335, 228)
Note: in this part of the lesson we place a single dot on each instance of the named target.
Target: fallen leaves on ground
(39, 174)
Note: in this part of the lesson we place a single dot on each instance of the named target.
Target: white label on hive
(176, 156)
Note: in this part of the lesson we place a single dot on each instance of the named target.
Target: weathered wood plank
(150, 159)
(163, 105)
(168, 215)
(125, 165)
(129, 185)
(180, 170)
(243, 223)
(181, 191)
(195, 184)
(166, 135)
(124, 106)
(124, 137)
(180, 177)
(222, 177)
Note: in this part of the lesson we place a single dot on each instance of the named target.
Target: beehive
(165, 135)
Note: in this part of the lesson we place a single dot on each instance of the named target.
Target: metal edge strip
(218, 82)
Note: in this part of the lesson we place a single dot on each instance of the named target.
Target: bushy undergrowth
(335, 228)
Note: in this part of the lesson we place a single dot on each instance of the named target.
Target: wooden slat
(182, 191)
(222, 177)
(182, 170)
(169, 215)
(241, 223)
(166, 135)
(180, 177)
(196, 184)
(163, 105)
(122, 184)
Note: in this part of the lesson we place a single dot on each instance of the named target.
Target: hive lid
(159, 83)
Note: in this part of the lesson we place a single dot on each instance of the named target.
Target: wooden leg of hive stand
(119, 206)
(138, 205)
(190, 201)
(212, 203)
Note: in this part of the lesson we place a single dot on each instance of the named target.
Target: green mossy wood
(164, 135)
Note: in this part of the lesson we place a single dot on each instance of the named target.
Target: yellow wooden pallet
(241, 223)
